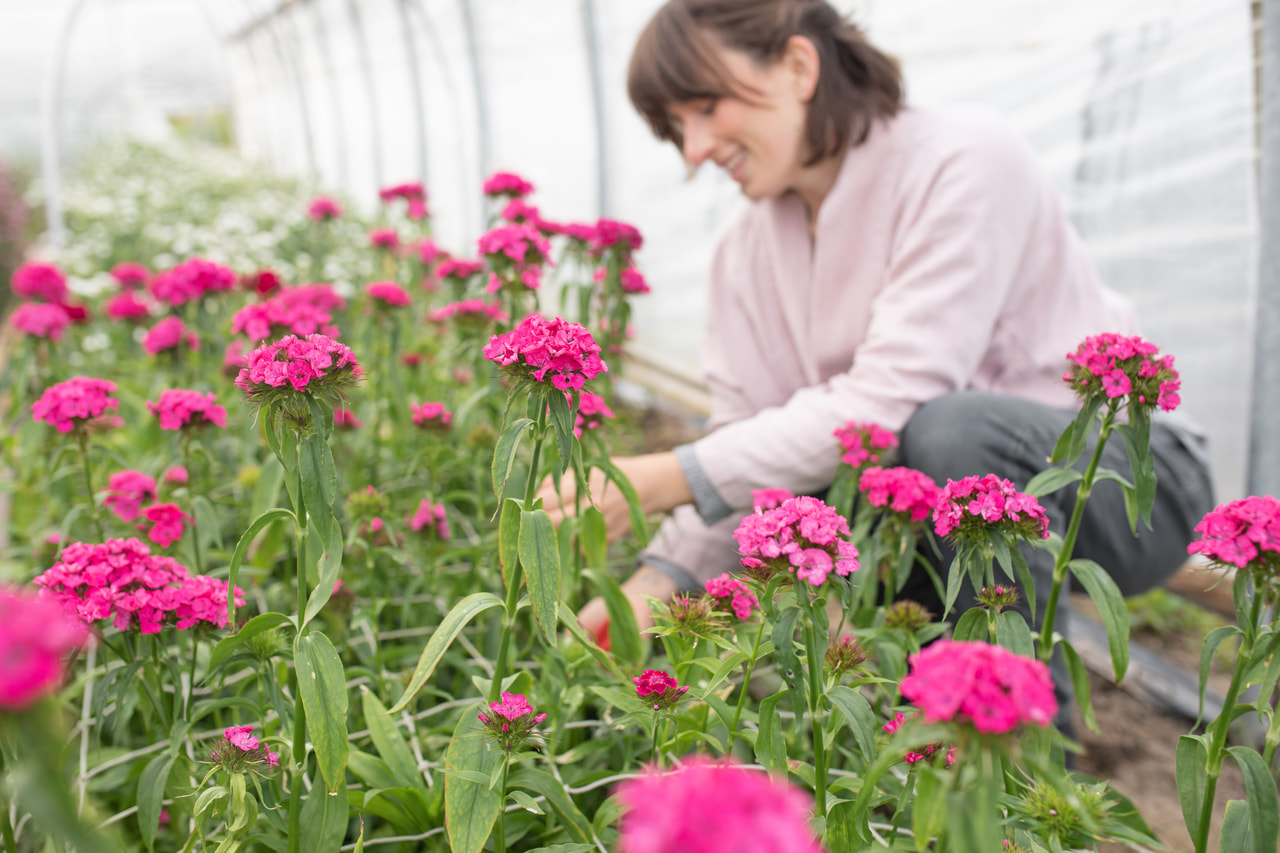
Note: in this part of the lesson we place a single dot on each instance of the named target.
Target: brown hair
(676, 60)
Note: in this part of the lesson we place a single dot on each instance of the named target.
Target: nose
(697, 142)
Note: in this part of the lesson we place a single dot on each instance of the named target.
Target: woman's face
(759, 142)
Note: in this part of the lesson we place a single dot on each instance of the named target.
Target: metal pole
(482, 101)
(415, 87)
(604, 201)
(1264, 420)
(299, 83)
(51, 128)
(339, 125)
(371, 92)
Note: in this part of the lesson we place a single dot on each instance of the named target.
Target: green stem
(815, 707)
(746, 682)
(6, 829)
(655, 757)
(905, 798)
(301, 532)
(1218, 730)
(1060, 564)
(500, 828)
(191, 674)
(82, 437)
(295, 785)
(191, 499)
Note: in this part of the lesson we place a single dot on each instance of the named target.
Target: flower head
(518, 210)
(458, 269)
(472, 313)
(75, 402)
(169, 334)
(659, 689)
(713, 806)
(507, 184)
(191, 280)
(129, 274)
(167, 523)
(515, 251)
(126, 305)
(410, 191)
(690, 616)
(848, 655)
(263, 281)
(974, 506)
(542, 350)
(1124, 366)
(35, 280)
(1243, 533)
(430, 517)
(910, 493)
(127, 491)
(592, 411)
(864, 443)
(345, 419)
(323, 209)
(988, 686)
(511, 722)
(176, 475)
(802, 535)
(907, 615)
(769, 498)
(388, 294)
(179, 408)
(315, 365)
(40, 320)
(287, 313)
(610, 234)
(384, 238)
(998, 597)
(36, 634)
(239, 751)
(432, 416)
(729, 593)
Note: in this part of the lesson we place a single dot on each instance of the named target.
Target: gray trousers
(976, 432)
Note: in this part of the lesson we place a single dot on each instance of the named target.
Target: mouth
(735, 166)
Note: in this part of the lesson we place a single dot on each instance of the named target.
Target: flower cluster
(729, 593)
(412, 191)
(322, 296)
(283, 314)
(305, 364)
(592, 410)
(510, 723)
(344, 418)
(459, 269)
(127, 491)
(179, 408)
(848, 655)
(713, 806)
(507, 184)
(262, 282)
(973, 506)
(515, 250)
(41, 320)
(618, 236)
(384, 238)
(126, 306)
(1243, 533)
(130, 274)
(630, 279)
(926, 752)
(989, 686)
(907, 615)
(802, 535)
(36, 280)
(543, 350)
(998, 597)
(518, 210)
(389, 294)
(80, 399)
(471, 312)
(429, 516)
(689, 616)
(431, 416)
(169, 334)
(35, 636)
(323, 209)
(906, 491)
(864, 443)
(168, 522)
(190, 280)
(240, 751)
(659, 689)
(1119, 366)
(123, 580)
(769, 498)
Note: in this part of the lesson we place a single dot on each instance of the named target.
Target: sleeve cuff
(710, 505)
(683, 580)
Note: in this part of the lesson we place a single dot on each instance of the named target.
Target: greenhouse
(664, 426)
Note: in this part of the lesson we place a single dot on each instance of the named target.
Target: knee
(960, 434)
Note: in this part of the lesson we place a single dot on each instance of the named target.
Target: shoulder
(970, 132)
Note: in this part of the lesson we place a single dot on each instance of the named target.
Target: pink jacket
(942, 261)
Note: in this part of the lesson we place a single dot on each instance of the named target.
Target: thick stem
(815, 707)
(1060, 565)
(82, 437)
(1218, 731)
(500, 828)
(295, 785)
(746, 681)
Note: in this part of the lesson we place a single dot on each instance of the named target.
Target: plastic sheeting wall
(1141, 110)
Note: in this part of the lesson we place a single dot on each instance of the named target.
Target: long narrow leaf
(242, 548)
(322, 684)
(452, 624)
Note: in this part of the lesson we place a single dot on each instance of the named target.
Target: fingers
(594, 619)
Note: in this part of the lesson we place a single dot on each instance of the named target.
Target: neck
(814, 183)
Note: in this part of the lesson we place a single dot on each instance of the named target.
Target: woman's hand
(646, 583)
(657, 478)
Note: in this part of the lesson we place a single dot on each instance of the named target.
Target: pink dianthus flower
(169, 334)
(35, 280)
(126, 306)
(74, 402)
(612, 234)
(384, 238)
(167, 523)
(282, 315)
(127, 491)
(592, 411)
(510, 723)
(518, 210)
(410, 191)
(431, 416)
(1124, 366)
(906, 491)
(732, 594)
(429, 516)
(177, 475)
(36, 635)
(345, 419)
(711, 806)
(659, 689)
(863, 442)
(388, 293)
(802, 535)
(507, 184)
(190, 280)
(475, 313)
(458, 268)
(323, 209)
(179, 408)
(986, 685)
(769, 498)
(239, 752)
(303, 364)
(129, 274)
(40, 320)
(973, 506)
(543, 350)
(1243, 533)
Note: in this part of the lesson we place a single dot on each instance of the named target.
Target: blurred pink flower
(35, 280)
(323, 209)
(592, 411)
(431, 517)
(176, 475)
(989, 686)
(40, 320)
(190, 280)
(36, 634)
(388, 293)
(507, 184)
(127, 491)
(863, 442)
(769, 498)
(911, 493)
(169, 334)
(179, 408)
(431, 415)
(126, 306)
(76, 401)
(129, 274)
(384, 238)
(167, 523)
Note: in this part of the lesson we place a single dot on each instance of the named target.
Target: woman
(906, 266)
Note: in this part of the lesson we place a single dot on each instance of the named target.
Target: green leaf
(624, 631)
(542, 782)
(324, 818)
(504, 454)
(789, 664)
(639, 526)
(859, 717)
(930, 808)
(1110, 603)
(151, 785)
(1264, 803)
(1207, 652)
(540, 556)
(1136, 436)
(842, 829)
(1012, 633)
(242, 548)
(1026, 580)
(470, 808)
(319, 482)
(390, 743)
(1050, 480)
(259, 624)
(1234, 837)
(207, 523)
(509, 537)
(562, 419)
(322, 685)
(1080, 681)
(606, 660)
(971, 627)
(595, 540)
(1191, 765)
(330, 565)
(1076, 438)
(525, 802)
(452, 624)
(771, 749)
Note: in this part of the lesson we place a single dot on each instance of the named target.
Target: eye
(708, 108)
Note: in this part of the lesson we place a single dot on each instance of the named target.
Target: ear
(800, 57)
